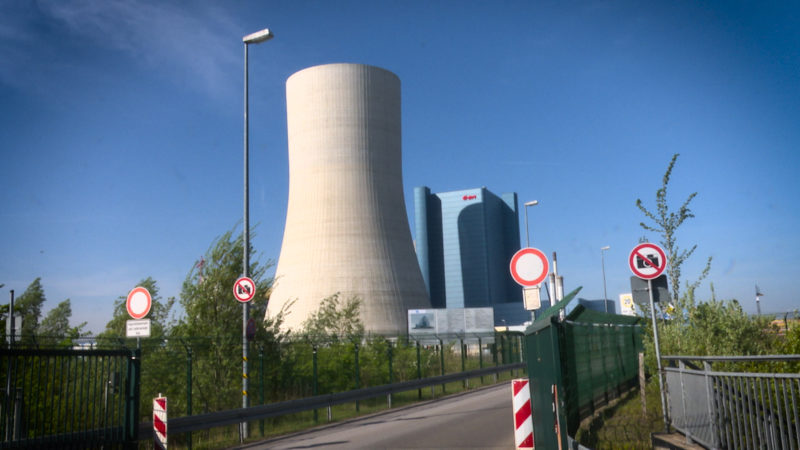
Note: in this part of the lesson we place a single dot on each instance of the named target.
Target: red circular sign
(647, 261)
(244, 289)
(139, 302)
(529, 267)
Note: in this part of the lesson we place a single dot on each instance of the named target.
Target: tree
(29, 307)
(666, 223)
(213, 320)
(335, 320)
(55, 326)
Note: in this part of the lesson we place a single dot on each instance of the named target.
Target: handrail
(220, 418)
(735, 358)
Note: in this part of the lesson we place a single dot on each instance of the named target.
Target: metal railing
(733, 409)
(221, 418)
(66, 397)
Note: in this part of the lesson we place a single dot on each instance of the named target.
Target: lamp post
(254, 38)
(527, 234)
(603, 262)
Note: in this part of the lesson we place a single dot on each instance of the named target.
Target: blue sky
(121, 130)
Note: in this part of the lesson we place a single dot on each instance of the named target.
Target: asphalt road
(481, 419)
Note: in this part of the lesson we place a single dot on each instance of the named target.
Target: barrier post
(160, 423)
(523, 418)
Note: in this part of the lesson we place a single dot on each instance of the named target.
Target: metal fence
(728, 408)
(69, 398)
(87, 395)
(577, 363)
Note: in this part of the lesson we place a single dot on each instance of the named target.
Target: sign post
(244, 289)
(648, 261)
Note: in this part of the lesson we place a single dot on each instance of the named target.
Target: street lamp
(603, 262)
(254, 38)
(527, 234)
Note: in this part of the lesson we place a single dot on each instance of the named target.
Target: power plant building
(346, 225)
(464, 241)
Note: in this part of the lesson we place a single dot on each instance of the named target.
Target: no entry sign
(244, 289)
(529, 267)
(139, 302)
(647, 261)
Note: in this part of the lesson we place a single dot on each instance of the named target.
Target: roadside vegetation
(195, 358)
(688, 325)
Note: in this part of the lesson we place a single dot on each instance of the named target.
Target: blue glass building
(464, 242)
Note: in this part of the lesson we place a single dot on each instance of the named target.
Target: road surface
(479, 419)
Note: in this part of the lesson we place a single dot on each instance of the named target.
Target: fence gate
(62, 398)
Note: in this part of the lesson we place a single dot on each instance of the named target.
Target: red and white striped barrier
(523, 420)
(160, 423)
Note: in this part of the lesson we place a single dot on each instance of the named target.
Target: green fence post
(358, 377)
(314, 376)
(391, 376)
(189, 391)
(261, 384)
(480, 357)
(132, 400)
(419, 371)
(463, 362)
(441, 363)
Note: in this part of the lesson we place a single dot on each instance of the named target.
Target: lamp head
(258, 37)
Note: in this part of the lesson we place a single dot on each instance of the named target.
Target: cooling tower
(346, 224)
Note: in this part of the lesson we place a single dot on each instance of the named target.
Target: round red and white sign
(647, 261)
(139, 302)
(244, 289)
(529, 266)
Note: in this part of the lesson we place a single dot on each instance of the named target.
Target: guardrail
(727, 409)
(197, 422)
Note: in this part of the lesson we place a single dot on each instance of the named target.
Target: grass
(625, 425)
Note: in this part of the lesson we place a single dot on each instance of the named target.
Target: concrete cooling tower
(346, 224)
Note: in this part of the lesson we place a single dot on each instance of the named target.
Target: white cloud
(192, 44)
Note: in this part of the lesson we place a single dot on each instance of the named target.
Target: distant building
(599, 305)
(464, 242)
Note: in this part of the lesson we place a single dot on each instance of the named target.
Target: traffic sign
(137, 328)
(139, 302)
(532, 298)
(647, 261)
(529, 266)
(640, 289)
(244, 289)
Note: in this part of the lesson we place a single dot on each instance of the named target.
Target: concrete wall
(346, 224)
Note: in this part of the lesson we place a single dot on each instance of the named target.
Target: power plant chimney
(346, 225)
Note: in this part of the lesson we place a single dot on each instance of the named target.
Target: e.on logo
(469, 197)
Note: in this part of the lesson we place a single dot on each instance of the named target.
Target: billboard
(626, 305)
(452, 322)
